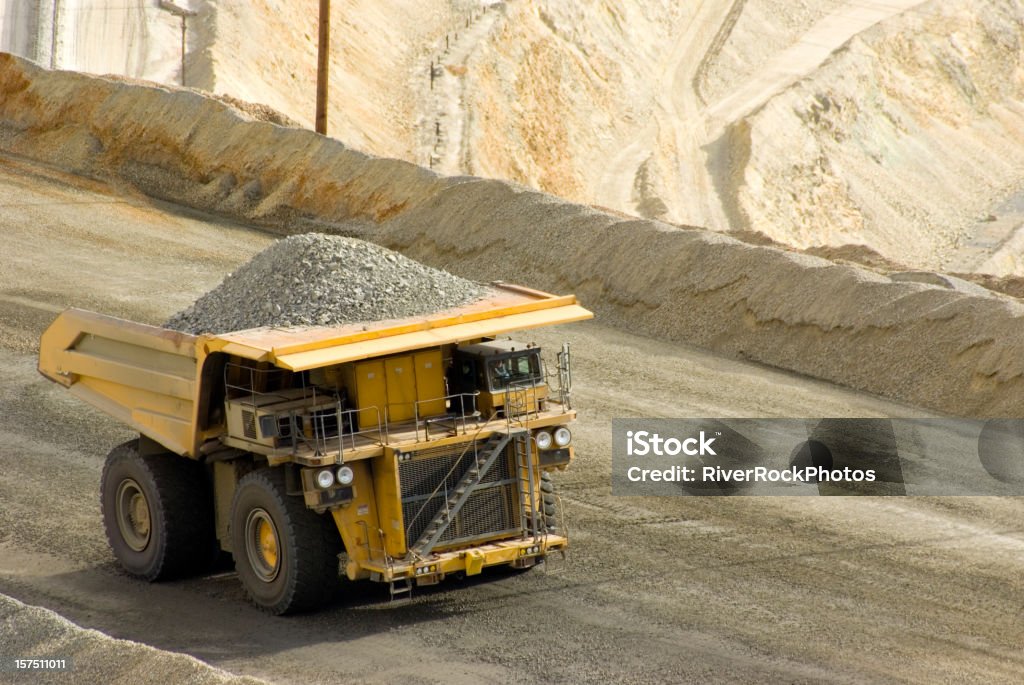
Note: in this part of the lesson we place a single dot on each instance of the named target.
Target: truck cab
(507, 374)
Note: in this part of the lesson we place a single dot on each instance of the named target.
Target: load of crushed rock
(323, 280)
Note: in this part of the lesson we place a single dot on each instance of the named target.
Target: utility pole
(184, 14)
(55, 18)
(322, 63)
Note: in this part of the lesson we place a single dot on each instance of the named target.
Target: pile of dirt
(322, 280)
(92, 657)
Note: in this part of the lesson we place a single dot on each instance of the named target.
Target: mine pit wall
(925, 345)
(20, 28)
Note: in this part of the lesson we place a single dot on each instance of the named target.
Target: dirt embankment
(34, 632)
(921, 343)
(821, 123)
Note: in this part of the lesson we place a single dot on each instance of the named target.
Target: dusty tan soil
(819, 122)
(954, 351)
(655, 590)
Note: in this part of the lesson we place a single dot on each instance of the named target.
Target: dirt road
(655, 590)
(682, 122)
(800, 59)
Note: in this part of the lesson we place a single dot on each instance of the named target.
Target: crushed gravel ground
(320, 280)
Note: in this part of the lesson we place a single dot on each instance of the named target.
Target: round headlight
(345, 475)
(562, 436)
(543, 439)
(325, 478)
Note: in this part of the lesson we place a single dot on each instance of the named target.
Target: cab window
(521, 370)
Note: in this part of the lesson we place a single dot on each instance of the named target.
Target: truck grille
(491, 511)
(249, 424)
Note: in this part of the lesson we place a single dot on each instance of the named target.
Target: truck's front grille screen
(491, 510)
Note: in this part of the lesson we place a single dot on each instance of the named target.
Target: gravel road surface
(654, 590)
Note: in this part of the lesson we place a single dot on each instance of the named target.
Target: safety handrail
(340, 415)
(520, 409)
(251, 388)
(455, 417)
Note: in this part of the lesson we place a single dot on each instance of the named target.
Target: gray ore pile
(322, 280)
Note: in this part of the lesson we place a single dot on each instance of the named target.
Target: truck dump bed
(157, 381)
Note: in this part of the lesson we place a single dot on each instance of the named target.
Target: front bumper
(521, 553)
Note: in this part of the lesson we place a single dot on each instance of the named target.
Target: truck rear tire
(158, 513)
(286, 555)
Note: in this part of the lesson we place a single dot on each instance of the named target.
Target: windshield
(521, 370)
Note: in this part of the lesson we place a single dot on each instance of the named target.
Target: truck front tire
(158, 513)
(550, 503)
(286, 555)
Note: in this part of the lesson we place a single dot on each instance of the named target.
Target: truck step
(401, 590)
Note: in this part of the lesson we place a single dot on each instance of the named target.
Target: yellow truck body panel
(151, 378)
(144, 376)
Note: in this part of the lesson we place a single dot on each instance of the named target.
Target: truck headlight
(325, 478)
(543, 439)
(345, 475)
(562, 436)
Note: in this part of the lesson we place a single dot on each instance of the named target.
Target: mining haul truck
(399, 451)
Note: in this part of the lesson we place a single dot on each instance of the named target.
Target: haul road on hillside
(407, 449)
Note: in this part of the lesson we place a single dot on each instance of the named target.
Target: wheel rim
(133, 516)
(261, 545)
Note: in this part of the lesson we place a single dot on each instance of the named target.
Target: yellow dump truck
(399, 451)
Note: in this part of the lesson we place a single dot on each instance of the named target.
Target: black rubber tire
(181, 538)
(549, 508)
(307, 545)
